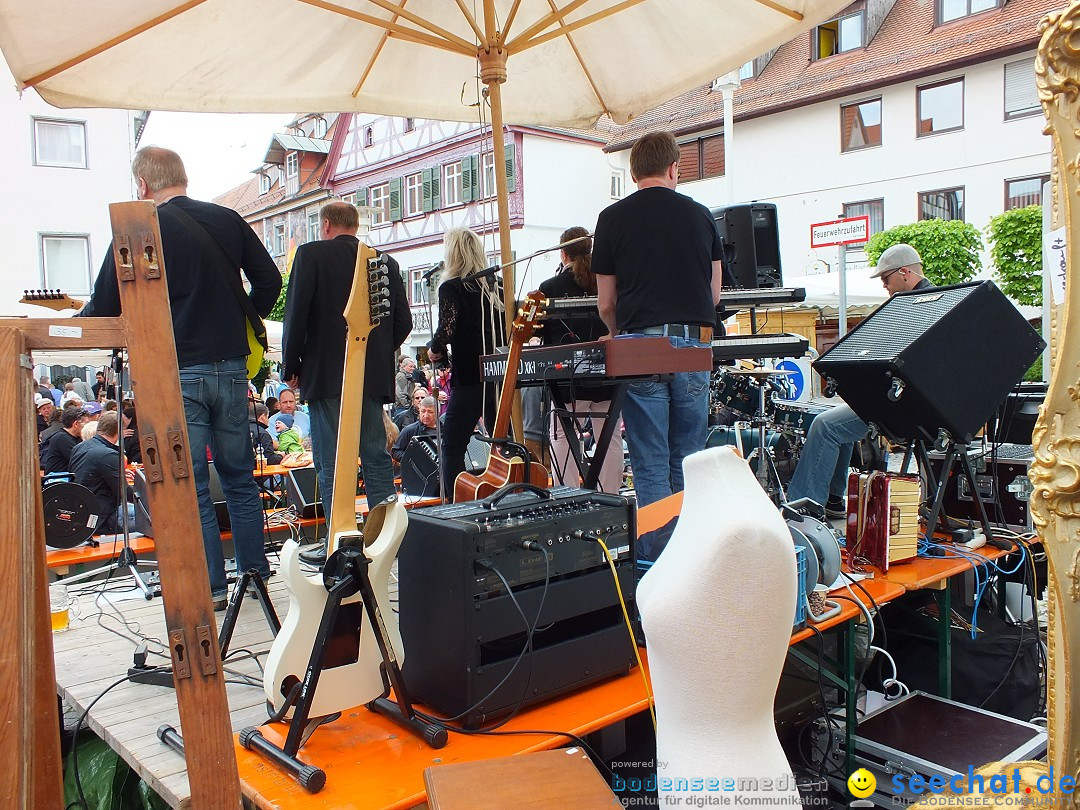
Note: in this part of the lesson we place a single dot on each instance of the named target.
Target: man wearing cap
(822, 472)
(56, 455)
(45, 408)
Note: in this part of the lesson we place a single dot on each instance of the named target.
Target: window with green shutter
(395, 199)
(431, 189)
(511, 173)
(361, 196)
(470, 178)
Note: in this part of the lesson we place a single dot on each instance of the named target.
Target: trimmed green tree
(1016, 250)
(949, 248)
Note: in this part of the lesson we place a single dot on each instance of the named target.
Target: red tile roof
(907, 46)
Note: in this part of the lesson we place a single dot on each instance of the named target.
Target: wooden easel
(29, 740)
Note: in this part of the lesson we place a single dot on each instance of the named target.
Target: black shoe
(220, 603)
(836, 507)
(314, 555)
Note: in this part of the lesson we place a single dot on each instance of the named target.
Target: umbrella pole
(493, 74)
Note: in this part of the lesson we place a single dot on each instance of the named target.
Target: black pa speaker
(145, 525)
(751, 244)
(301, 492)
(933, 360)
(420, 468)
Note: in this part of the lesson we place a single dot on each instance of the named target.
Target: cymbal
(761, 372)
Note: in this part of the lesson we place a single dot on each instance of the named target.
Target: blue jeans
(823, 464)
(215, 408)
(378, 469)
(665, 422)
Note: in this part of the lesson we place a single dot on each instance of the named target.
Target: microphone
(486, 273)
(435, 268)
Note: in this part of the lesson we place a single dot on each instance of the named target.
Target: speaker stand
(957, 452)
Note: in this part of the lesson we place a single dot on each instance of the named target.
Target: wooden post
(29, 721)
(185, 584)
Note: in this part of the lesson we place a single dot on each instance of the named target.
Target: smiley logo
(861, 783)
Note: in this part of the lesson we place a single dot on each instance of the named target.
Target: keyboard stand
(589, 470)
(956, 452)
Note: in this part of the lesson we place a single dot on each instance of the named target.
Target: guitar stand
(233, 610)
(345, 574)
(957, 452)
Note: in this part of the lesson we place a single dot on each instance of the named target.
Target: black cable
(824, 702)
(75, 743)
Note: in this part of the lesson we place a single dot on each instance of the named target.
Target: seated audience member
(95, 464)
(424, 426)
(258, 415)
(93, 410)
(271, 405)
(45, 410)
(299, 421)
(406, 418)
(56, 454)
(110, 405)
(89, 430)
(288, 440)
(130, 435)
(70, 395)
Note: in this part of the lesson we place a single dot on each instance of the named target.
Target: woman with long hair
(577, 279)
(471, 322)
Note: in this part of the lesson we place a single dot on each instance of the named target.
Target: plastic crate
(800, 601)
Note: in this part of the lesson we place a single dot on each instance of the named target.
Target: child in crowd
(289, 439)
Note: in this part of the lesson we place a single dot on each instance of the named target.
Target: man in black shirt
(56, 454)
(205, 247)
(656, 255)
(423, 426)
(96, 465)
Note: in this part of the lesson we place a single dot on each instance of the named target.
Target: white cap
(895, 257)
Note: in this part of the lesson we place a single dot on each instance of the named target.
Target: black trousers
(464, 411)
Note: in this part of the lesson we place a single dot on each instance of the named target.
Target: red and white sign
(853, 230)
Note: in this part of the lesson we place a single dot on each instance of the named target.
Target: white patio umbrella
(564, 63)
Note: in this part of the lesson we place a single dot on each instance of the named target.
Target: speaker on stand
(751, 244)
(932, 366)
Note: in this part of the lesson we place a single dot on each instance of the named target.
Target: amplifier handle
(492, 500)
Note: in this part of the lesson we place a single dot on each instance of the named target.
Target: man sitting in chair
(95, 464)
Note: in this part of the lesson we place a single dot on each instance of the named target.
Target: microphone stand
(435, 386)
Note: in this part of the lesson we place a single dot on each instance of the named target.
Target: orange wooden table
(371, 763)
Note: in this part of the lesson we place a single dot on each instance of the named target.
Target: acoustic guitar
(351, 674)
(53, 299)
(508, 463)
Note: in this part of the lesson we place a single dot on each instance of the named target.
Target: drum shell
(795, 415)
(739, 393)
(721, 436)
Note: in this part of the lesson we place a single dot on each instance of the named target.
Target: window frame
(280, 244)
(699, 143)
(410, 124)
(880, 201)
(918, 106)
(963, 203)
(415, 284)
(264, 183)
(319, 128)
(292, 165)
(1013, 116)
(455, 182)
(881, 125)
(59, 164)
(46, 282)
(380, 211)
(815, 39)
(1043, 180)
(487, 175)
(939, 6)
(617, 187)
(314, 226)
(369, 137)
(414, 187)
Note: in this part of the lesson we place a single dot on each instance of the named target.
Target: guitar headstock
(368, 302)
(530, 311)
(52, 299)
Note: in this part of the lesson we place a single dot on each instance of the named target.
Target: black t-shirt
(660, 246)
(57, 455)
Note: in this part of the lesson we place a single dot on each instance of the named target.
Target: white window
(59, 143)
(416, 285)
(349, 198)
(279, 239)
(746, 71)
(292, 164)
(320, 128)
(1021, 94)
(838, 36)
(617, 184)
(940, 108)
(949, 10)
(264, 183)
(369, 137)
(379, 200)
(414, 194)
(314, 229)
(451, 184)
(65, 263)
(487, 175)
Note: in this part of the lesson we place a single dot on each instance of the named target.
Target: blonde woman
(471, 323)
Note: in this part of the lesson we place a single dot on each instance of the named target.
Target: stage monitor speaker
(933, 360)
(751, 244)
(301, 491)
(420, 468)
(143, 521)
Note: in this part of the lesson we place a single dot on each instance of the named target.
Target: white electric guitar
(351, 674)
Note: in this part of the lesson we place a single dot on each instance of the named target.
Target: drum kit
(750, 409)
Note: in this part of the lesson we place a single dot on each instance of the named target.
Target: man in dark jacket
(56, 453)
(95, 464)
(205, 247)
(313, 349)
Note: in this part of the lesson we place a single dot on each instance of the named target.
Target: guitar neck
(358, 319)
(506, 398)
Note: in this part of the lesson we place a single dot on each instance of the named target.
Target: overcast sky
(219, 149)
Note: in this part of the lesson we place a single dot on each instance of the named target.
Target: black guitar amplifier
(465, 640)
